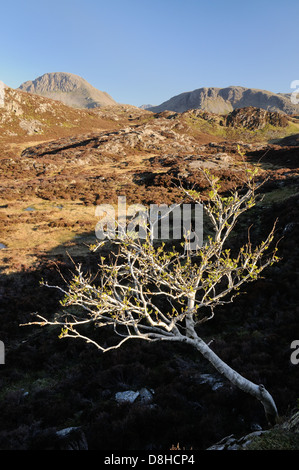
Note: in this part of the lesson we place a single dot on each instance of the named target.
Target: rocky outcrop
(143, 395)
(147, 138)
(249, 118)
(233, 443)
(32, 126)
(284, 436)
(255, 118)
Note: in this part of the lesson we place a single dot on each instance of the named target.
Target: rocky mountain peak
(68, 88)
(225, 100)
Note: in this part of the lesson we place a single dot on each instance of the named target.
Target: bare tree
(155, 294)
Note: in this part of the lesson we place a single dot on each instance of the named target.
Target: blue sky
(145, 52)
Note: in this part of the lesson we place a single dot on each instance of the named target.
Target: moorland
(57, 164)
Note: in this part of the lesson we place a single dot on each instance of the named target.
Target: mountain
(146, 106)
(68, 88)
(225, 100)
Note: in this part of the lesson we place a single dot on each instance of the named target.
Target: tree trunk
(258, 391)
(190, 324)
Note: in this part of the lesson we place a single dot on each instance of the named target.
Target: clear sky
(145, 52)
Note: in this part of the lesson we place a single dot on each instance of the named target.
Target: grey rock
(214, 382)
(145, 396)
(72, 438)
(129, 396)
(31, 126)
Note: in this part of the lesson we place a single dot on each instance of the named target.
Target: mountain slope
(71, 89)
(28, 117)
(225, 100)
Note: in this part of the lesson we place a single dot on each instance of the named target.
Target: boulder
(129, 396)
(72, 438)
(144, 395)
(255, 118)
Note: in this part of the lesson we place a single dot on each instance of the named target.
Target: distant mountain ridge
(146, 106)
(225, 100)
(68, 88)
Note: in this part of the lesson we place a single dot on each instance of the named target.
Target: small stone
(72, 438)
(145, 396)
(129, 396)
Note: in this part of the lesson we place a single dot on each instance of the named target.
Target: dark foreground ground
(48, 384)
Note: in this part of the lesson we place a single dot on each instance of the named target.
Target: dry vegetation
(51, 182)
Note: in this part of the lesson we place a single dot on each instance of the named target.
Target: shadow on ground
(48, 384)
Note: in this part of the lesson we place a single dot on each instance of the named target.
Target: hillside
(28, 117)
(57, 394)
(225, 100)
(68, 88)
